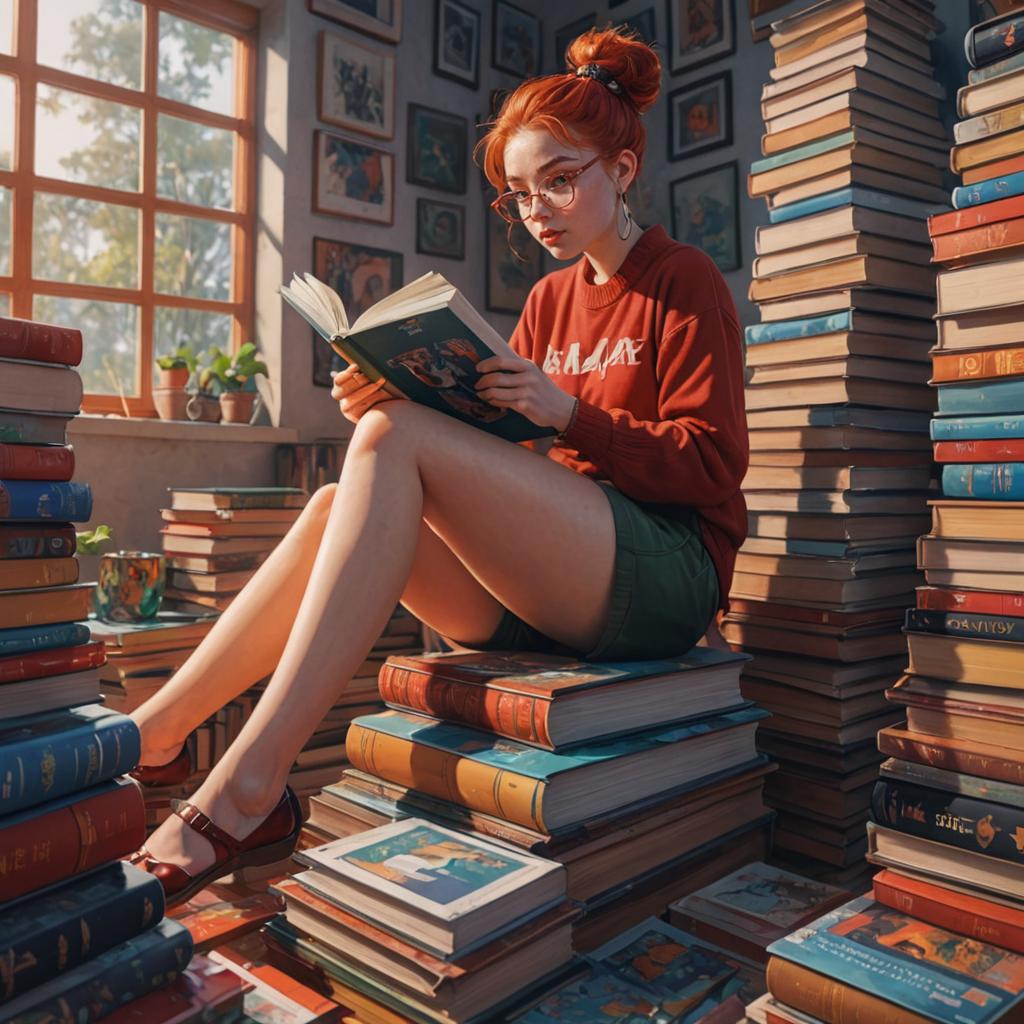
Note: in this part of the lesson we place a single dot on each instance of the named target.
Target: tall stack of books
(217, 537)
(81, 932)
(838, 407)
(641, 778)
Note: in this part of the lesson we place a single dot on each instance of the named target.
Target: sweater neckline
(651, 243)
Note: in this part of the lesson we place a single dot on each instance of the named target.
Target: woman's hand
(355, 393)
(514, 383)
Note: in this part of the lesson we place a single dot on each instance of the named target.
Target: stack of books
(215, 538)
(81, 932)
(641, 778)
(838, 407)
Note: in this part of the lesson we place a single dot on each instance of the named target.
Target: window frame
(229, 16)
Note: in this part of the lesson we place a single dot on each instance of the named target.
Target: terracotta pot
(237, 406)
(170, 403)
(174, 378)
(204, 408)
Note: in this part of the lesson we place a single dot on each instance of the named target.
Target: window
(127, 179)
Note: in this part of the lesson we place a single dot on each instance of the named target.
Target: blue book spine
(1001, 67)
(985, 399)
(46, 935)
(976, 428)
(34, 499)
(784, 330)
(807, 207)
(988, 191)
(986, 481)
(969, 624)
(792, 156)
(54, 754)
(42, 638)
(99, 986)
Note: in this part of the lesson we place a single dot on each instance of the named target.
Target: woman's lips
(551, 236)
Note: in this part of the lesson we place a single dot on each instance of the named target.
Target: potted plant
(174, 370)
(235, 378)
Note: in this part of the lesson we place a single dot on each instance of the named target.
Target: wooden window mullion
(24, 159)
(147, 222)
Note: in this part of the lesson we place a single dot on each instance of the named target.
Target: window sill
(178, 430)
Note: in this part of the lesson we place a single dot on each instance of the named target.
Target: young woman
(620, 544)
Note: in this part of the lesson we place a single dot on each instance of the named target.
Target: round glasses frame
(507, 200)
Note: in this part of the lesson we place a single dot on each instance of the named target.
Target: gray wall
(131, 465)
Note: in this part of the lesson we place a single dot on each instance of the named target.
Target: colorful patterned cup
(130, 587)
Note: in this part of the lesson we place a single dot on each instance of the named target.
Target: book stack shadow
(641, 778)
(80, 933)
(838, 408)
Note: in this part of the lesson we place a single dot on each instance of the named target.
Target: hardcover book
(31, 540)
(551, 701)
(67, 502)
(22, 426)
(915, 966)
(201, 498)
(39, 342)
(22, 639)
(440, 888)
(36, 462)
(424, 340)
(39, 387)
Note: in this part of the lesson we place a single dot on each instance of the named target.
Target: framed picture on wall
(699, 31)
(441, 229)
(437, 146)
(457, 42)
(700, 116)
(380, 18)
(515, 40)
(356, 87)
(352, 179)
(643, 23)
(566, 34)
(509, 279)
(361, 275)
(705, 213)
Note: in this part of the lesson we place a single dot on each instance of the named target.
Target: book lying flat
(425, 340)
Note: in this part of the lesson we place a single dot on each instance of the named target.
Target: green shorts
(664, 591)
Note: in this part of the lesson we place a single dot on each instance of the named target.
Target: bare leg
(536, 535)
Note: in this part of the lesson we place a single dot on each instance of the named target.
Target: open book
(425, 339)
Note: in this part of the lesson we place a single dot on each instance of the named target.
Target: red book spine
(515, 715)
(952, 755)
(985, 602)
(975, 216)
(36, 462)
(995, 169)
(46, 343)
(1002, 450)
(991, 239)
(22, 540)
(56, 662)
(70, 839)
(955, 911)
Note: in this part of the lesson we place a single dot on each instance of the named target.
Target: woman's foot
(195, 847)
(170, 766)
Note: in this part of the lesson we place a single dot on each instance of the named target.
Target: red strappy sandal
(272, 841)
(173, 773)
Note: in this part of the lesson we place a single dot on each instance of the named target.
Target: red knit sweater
(656, 358)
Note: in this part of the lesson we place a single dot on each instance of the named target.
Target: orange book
(30, 573)
(981, 919)
(45, 605)
(990, 362)
(994, 241)
(996, 169)
(986, 151)
(249, 529)
(975, 216)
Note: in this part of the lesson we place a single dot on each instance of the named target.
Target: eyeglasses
(556, 191)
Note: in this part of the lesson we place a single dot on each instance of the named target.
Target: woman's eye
(558, 181)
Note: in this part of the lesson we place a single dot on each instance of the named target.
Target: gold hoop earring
(629, 219)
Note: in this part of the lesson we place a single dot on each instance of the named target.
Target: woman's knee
(390, 422)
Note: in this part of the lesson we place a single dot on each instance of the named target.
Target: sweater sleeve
(697, 452)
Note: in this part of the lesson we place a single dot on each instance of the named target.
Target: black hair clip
(599, 74)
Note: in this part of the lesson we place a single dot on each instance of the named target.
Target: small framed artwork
(356, 87)
(566, 34)
(705, 213)
(437, 144)
(699, 31)
(352, 179)
(509, 279)
(361, 275)
(643, 23)
(700, 116)
(380, 18)
(515, 43)
(440, 229)
(457, 42)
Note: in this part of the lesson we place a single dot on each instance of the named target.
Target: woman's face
(531, 157)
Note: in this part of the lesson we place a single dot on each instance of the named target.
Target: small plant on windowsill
(233, 380)
(175, 371)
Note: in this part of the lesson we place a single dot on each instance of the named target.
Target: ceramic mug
(130, 586)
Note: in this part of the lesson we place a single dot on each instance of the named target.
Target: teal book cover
(925, 969)
(977, 428)
(786, 330)
(542, 765)
(1001, 397)
(792, 156)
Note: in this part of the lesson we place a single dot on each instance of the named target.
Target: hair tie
(599, 74)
